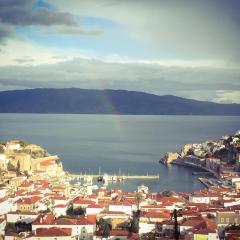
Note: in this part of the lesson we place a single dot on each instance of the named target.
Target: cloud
(193, 82)
(223, 96)
(20, 13)
(24, 60)
(187, 29)
(5, 33)
(72, 31)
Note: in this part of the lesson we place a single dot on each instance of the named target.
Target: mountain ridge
(107, 101)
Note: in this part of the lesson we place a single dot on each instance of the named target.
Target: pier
(114, 177)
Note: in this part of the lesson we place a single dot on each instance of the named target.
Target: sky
(186, 48)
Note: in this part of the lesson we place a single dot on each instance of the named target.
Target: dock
(114, 177)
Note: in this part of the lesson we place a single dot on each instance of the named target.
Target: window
(227, 220)
(222, 220)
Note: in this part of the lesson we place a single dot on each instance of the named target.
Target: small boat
(100, 179)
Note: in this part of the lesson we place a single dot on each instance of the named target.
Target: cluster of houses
(37, 204)
(218, 157)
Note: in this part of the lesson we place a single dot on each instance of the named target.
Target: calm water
(113, 143)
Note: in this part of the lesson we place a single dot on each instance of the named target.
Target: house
(17, 216)
(61, 189)
(81, 203)
(124, 206)
(237, 185)
(94, 209)
(28, 204)
(203, 198)
(16, 181)
(114, 234)
(79, 226)
(27, 186)
(5, 205)
(117, 218)
(198, 223)
(13, 145)
(59, 200)
(52, 233)
(205, 234)
(4, 191)
(145, 227)
(225, 218)
(60, 210)
(155, 217)
(3, 162)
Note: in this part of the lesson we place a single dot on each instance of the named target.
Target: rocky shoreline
(217, 156)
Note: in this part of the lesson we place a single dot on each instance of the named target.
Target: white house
(3, 192)
(121, 207)
(3, 161)
(5, 205)
(79, 226)
(145, 227)
(52, 233)
(94, 209)
(27, 217)
(60, 210)
(203, 198)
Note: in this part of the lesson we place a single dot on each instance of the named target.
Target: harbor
(114, 178)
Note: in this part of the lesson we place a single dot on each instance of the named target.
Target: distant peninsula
(89, 101)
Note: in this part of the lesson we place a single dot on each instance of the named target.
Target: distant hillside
(74, 100)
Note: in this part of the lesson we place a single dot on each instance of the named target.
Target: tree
(23, 143)
(105, 226)
(134, 227)
(1, 149)
(166, 193)
(138, 199)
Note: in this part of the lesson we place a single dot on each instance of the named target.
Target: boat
(100, 179)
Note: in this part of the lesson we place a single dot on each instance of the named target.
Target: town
(39, 200)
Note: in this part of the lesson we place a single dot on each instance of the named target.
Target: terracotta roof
(96, 206)
(156, 215)
(83, 202)
(112, 212)
(125, 203)
(44, 219)
(47, 163)
(61, 206)
(30, 200)
(52, 232)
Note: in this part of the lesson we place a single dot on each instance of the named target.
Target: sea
(120, 144)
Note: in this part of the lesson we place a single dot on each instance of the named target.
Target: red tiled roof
(83, 202)
(61, 206)
(204, 231)
(96, 206)
(156, 215)
(125, 203)
(44, 219)
(112, 212)
(26, 184)
(47, 163)
(52, 232)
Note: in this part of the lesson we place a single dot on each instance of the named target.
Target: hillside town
(39, 200)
